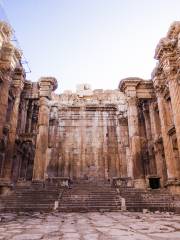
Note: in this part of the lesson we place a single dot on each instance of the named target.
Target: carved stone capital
(46, 86)
(18, 78)
(165, 45)
(159, 82)
(6, 30)
(6, 56)
(132, 100)
(130, 83)
(170, 65)
(174, 30)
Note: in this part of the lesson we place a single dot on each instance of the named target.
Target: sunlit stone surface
(128, 138)
(90, 226)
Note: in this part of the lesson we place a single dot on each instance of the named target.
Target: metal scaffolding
(24, 61)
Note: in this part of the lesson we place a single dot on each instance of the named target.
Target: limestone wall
(89, 138)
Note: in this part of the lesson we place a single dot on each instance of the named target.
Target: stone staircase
(153, 200)
(90, 197)
(30, 198)
(85, 196)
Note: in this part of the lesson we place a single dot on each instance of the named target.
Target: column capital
(129, 84)
(6, 58)
(170, 65)
(6, 30)
(46, 86)
(132, 100)
(19, 78)
(159, 80)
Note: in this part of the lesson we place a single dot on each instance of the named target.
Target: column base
(139, 183)
(173, 186)
(6, 187)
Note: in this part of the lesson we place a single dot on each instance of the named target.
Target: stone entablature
(130, 133)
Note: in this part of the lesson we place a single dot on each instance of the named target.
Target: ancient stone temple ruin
(128, 137)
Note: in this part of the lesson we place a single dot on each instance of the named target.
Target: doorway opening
(154, 182)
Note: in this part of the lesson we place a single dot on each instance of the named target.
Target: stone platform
(90, 226)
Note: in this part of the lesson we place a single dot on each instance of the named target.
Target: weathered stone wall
(87, 139)
(166, 83)
(132, 133)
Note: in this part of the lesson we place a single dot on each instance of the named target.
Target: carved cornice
(46, 86)
(18, 78)
(164, 45)
(168, 53)
(48, 81)
(170, 65)
(6, 30)
(174, 30)
(6, 56)
(159, 84)
(129, 83)
(168, 43)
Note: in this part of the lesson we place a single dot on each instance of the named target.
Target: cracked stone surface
(90, 226)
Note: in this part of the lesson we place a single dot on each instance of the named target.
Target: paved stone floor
(90, 226)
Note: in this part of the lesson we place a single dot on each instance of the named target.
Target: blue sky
(90, 41)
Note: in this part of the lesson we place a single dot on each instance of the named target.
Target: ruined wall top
(98, 98)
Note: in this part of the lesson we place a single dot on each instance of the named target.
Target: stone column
(174, 90)
(157, 141)
(7, 52)
(135, 143)
(152, 164)
(129, 87)
(51, 167)
(167, 73)
(18, 83)
(46, 86)
(168, 148)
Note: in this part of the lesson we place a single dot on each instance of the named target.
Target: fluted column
(17, 83)
(168, 147)
(42, 139)
(129, 87)
(46, 86)
(51, 167)
(174, 91)
(7, 52)
(135, 142)
(157, 141)
(152, 164)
